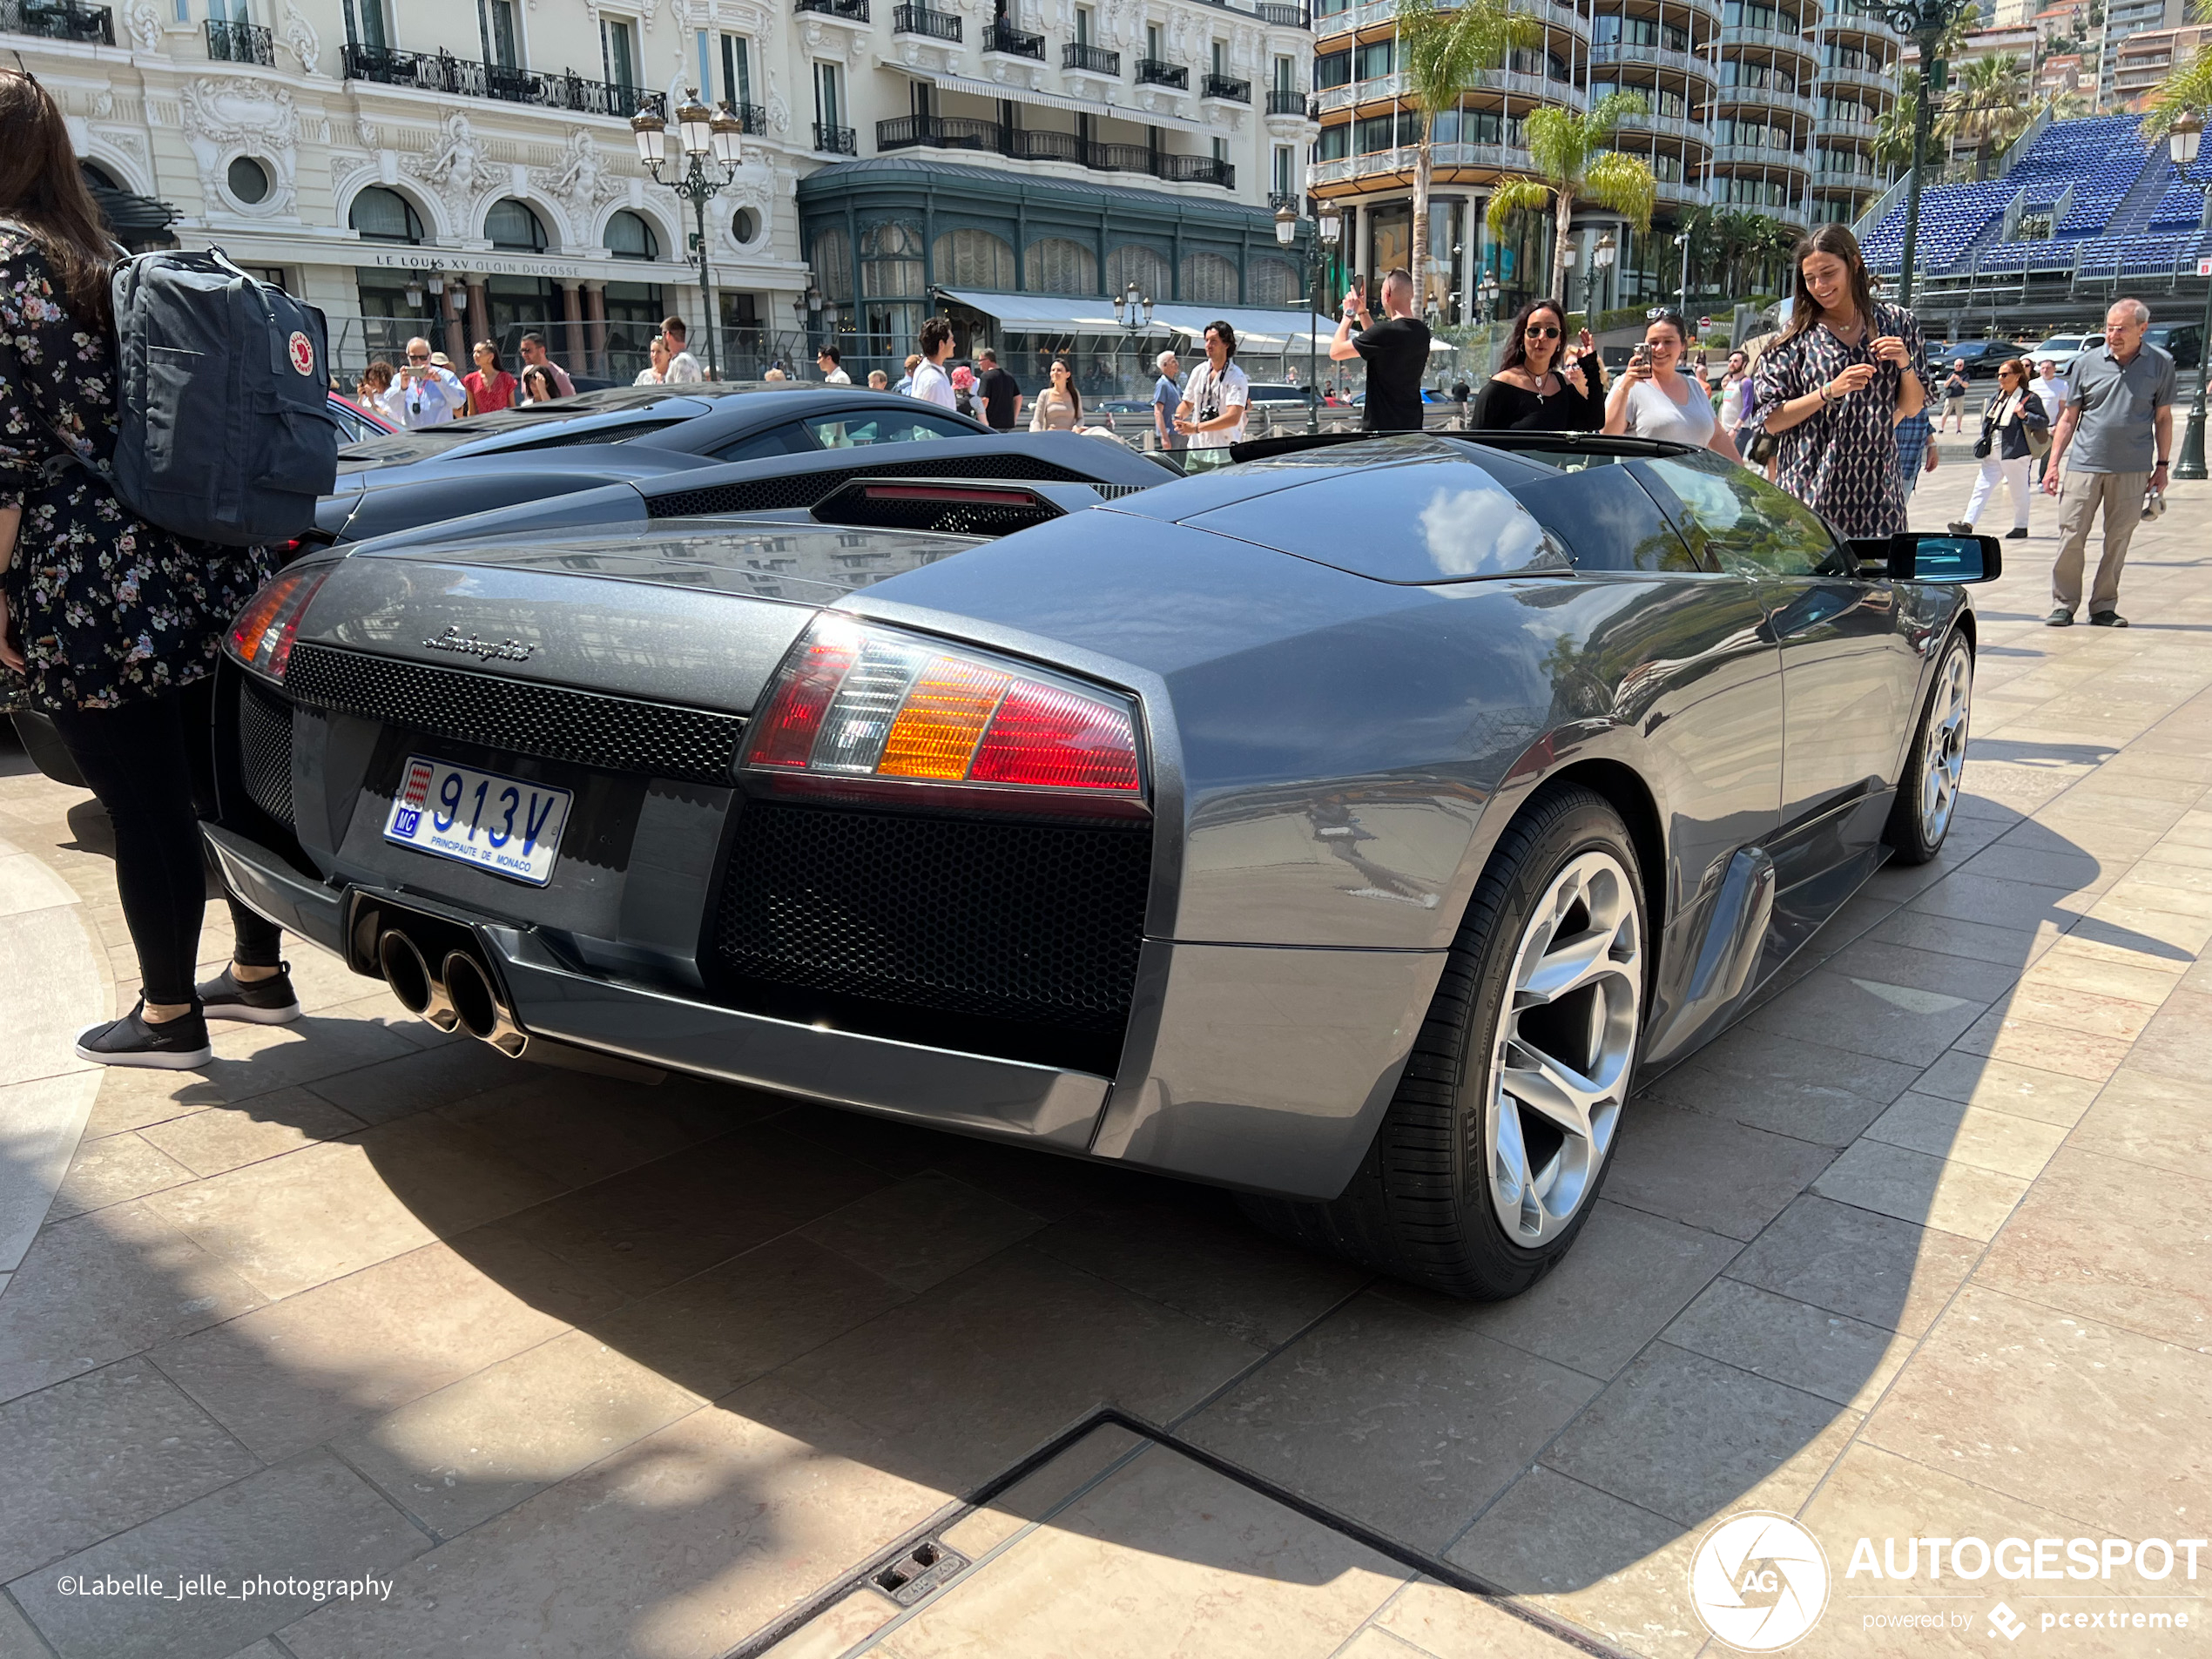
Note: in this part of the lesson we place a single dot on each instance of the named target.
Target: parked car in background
(355, 422)
(2062, 349)
(1354, 826)
(1984, 357)
(541, 450)
(2182, 342)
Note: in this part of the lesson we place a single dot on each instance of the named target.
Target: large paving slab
(584, 1367)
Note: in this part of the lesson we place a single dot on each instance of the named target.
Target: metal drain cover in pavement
(920, 1570)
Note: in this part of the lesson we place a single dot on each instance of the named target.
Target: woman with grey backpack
(114, 623)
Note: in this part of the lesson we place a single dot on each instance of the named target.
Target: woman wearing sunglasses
(1655, 399)
(1529, 393)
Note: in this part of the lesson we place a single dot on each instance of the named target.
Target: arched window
(1208, 280)
(511, 224)
(629, 237)
(1270, 283)
(381, 215)
(974, 258)
(98, 176)
(1133, 262)
(1056, 265)
(891, 259)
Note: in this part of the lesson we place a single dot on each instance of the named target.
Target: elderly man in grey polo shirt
(2114, 440)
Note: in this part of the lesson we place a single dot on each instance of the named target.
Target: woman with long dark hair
(1833, 385)
(114, 623)
(1060, 406)
(1655, 399)
(1530, 393)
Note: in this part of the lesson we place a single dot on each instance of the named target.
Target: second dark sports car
(1352, 827)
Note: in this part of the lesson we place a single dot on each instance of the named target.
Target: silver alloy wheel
(1566, 1039)
(1945, 766)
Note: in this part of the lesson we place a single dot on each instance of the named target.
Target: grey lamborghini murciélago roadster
(1351, 826)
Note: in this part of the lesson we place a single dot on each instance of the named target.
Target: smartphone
(1641, 354)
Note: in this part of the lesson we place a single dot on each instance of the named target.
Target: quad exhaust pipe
(459, 994)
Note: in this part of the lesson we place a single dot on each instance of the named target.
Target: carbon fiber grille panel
(943, 518)
(618, 733)
(264, 749)
(805, 488)
(1032, 922)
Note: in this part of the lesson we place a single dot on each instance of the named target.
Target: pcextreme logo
(1759, 1582)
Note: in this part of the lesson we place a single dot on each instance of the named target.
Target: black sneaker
(262, 1001)
(174, 1045)
(2016, 535)
(2060, 619)
(2107, 619)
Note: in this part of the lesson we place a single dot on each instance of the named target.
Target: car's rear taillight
(260, 637)
(856, 703)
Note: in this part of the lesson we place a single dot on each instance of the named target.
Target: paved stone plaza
(587, 1368)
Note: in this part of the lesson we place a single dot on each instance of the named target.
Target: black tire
(1419, 1207)
(1909, 834)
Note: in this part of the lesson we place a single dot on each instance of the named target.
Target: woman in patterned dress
(1833, 385)
(112, 622)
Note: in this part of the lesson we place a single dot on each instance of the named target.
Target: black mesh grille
(1009, 921)
(264, 750)
(804, 489)
(941, 517)
(619, 733)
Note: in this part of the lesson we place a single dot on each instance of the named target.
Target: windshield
(419, 445)
(2061, 342)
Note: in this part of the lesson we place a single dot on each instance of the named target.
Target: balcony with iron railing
(1093, 60)
(1283, 16)
(1227, 88)
(1287, 100)
(240, 43)
(451, 77)
(1020, 143)
(850, 10)
(58, 20)
(1000, 36)
(1689, 66)
(1154, 72)
(836, 140)
(925, 21)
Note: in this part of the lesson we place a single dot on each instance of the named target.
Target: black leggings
(151, 763)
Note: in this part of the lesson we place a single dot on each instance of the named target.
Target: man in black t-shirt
(1396, 352)
(1001, 397)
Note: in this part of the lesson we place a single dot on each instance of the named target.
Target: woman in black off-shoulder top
(1528, 394)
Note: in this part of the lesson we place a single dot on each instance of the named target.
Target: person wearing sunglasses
(424, 394)
(1531, 392)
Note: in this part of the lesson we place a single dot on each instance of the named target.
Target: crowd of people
(113, 625)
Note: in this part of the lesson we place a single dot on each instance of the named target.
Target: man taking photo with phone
(1396, 351)
(424, 394)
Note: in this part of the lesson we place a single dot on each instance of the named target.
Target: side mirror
(1916, 556)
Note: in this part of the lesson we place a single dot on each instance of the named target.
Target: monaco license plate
(501, 824)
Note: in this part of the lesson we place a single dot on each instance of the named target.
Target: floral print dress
(106, 606)
(1842, 462)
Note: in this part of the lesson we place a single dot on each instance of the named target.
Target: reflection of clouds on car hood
(1479, 529)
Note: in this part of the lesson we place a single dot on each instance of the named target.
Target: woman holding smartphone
(1655, 399)
(1832, 386)
(1531, 392)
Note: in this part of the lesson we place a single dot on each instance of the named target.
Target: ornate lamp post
(1927, 22)
(2181, 143)
(1602, 259)
(1328, 226)
(1135, 318)
(703, 133)
(1487, 290)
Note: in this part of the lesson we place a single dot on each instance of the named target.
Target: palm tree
(1443, 55)
(2189, 87)
(1987, 107)
(1573, 164)
(1894, 130)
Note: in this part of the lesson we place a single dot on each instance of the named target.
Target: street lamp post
(1328, 226)
(1136, 321)
(1601, 258)
(702, 133)
(1682, 293)
(1927, 22)
(2181, 144)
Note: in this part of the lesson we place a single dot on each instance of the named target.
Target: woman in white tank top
(1654, 399)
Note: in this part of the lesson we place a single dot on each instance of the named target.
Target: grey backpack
(223, 430)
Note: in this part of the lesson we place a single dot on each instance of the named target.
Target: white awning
(995, 89)
(1257, 329)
